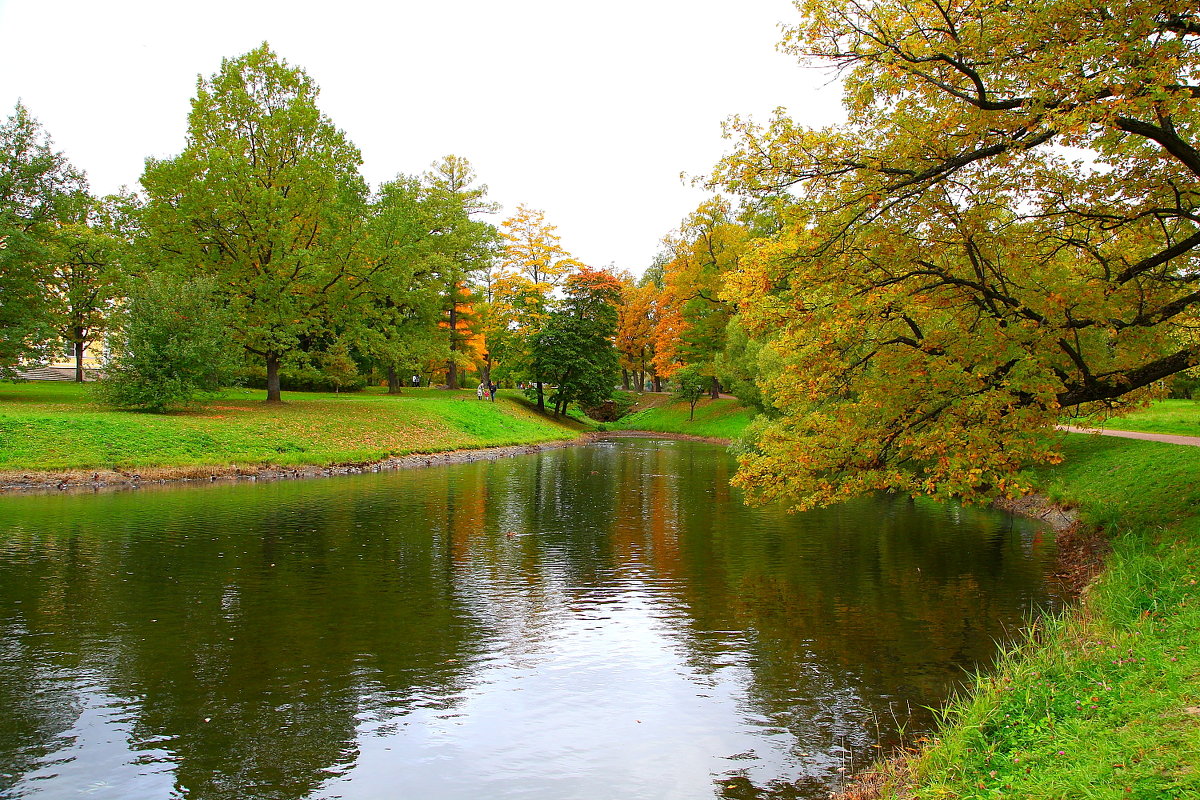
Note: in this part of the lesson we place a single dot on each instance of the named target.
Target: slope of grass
(56, 426)
(1179, 417)
(1103, 702)
(722, 419)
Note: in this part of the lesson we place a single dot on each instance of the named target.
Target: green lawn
(722, 419)
(1181, 417)
(47, 426)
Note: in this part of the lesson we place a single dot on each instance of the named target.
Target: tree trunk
(393, 381)
(714, 388)
(273, 378)
(625, 379)
(451, 366)
(79, 361)
(657, 384)
(541, 397)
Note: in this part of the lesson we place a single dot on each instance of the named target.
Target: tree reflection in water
(549, 626)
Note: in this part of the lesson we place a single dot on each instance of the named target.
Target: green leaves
(172, 346)
(266, 198)
(573, 349)
(38, 190)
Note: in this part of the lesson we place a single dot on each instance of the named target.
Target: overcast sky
(588, 111)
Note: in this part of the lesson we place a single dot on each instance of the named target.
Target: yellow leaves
(942, 333)
(533, 249)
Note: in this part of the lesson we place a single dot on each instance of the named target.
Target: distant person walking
(492, 391)
(479, 390)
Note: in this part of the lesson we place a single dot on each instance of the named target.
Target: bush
(172, 345)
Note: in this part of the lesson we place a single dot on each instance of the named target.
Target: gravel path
(1194, 441)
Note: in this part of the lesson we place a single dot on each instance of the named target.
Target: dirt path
(1194, 441)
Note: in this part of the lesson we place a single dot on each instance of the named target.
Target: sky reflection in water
(585, 623)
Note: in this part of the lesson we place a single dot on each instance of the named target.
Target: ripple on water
(640, 633)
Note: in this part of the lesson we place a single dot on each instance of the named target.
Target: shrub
(172, 345)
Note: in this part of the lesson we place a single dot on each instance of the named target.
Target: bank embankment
(52, 435)
(1102, 701)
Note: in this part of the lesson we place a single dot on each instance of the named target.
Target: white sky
(588, 111)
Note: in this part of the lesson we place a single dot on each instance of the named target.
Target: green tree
(172, 345)
(708, 246)
(691, 312)
(1006, 227)
(87, 255)
(38, 189)
(397, 300)
(574, 349)
(690, 385)
(463, 246)
(267, 198)
(533, 265)
(745, 365)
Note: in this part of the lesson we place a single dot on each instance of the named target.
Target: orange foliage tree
(637, 317)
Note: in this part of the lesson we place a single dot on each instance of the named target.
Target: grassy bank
(719, 419)
(1180, 417)
(1103, 702)
(48, 427)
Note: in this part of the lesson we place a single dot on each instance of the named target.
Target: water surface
(592, 622)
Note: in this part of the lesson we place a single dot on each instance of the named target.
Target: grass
(1104, 701)
(721, 419)
(1179, 417)
(47, 426)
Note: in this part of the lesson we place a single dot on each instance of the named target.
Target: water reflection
(586, 623)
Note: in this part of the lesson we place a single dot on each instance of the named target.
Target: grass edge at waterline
(56, 428)
(1104, 699)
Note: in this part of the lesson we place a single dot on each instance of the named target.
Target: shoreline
(679, 437)
(75, 481)
(1082, 552)
(96, 480)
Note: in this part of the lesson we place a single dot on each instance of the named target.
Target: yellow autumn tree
(533, 249)
(1006, 227)
(707, 247)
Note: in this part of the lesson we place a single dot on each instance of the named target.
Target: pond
(590, 622)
